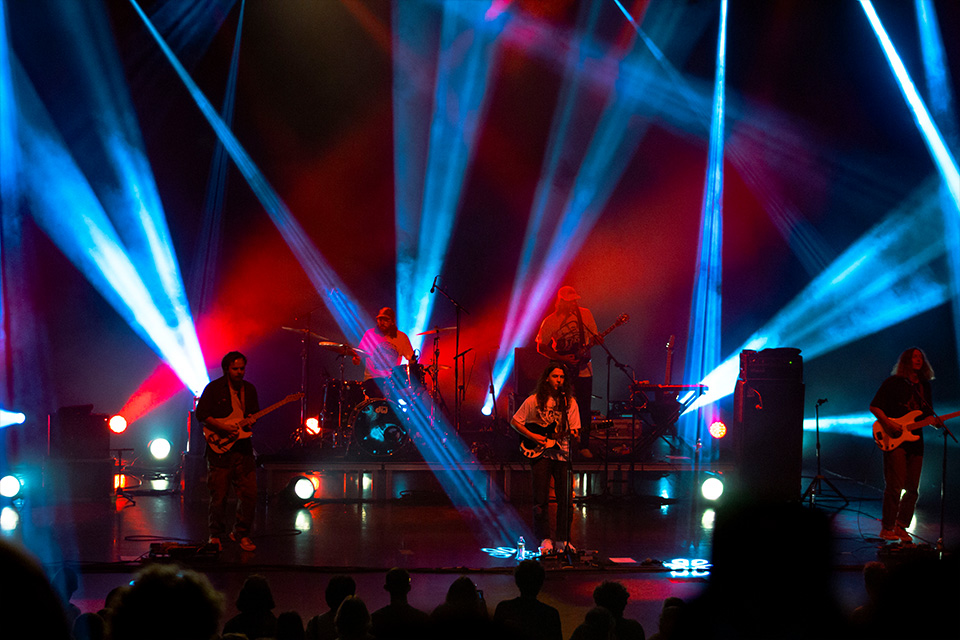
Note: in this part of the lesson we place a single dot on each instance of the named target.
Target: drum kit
(373, 415)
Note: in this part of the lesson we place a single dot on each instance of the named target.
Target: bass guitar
(533, 449)
(909, 423)
(221, 443)
(583, 353)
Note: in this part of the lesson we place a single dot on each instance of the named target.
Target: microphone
(434, 287)
(821, 401)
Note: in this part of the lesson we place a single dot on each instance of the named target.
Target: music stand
(815, 487)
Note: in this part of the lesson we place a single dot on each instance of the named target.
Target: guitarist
(550, 418)
(566, 335)
(223, 403)
(908, 389)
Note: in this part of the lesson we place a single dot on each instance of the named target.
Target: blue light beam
(943, 159)
(351, 320)
(703, 343)
(425, 215)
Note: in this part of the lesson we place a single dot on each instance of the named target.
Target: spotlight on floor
(312, 425)
(159, 448)
(717, 429)
(301, 490)
(712, 488)
(10, 486)
(118, 424)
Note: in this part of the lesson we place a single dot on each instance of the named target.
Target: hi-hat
(316, 336)
(436, 330)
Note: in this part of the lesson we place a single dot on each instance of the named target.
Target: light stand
(815, 488)
(458, 385)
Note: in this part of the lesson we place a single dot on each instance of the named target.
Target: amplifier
(771, 364)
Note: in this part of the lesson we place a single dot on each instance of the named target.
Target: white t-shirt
(382, 352)
(530, 412)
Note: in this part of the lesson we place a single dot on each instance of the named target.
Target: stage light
(487, 409)
(118, 424)
(159, 448)
(712, 488)
(312, 426)
(10, 486)
(9, 519)
(718, 429)
(302, 488)
(8, 418)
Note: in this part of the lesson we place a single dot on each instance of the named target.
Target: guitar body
(910, 423)
(533, 449)
(222, 443)
(583, 354)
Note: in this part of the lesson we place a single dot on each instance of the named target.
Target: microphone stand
(939, 424)
(458, 390)
(815, 487)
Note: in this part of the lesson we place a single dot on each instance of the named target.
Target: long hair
(904, 365)
(543, 383)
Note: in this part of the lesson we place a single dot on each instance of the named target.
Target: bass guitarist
(566, 335)
(908, 389)
(224, 403)
(548, 420)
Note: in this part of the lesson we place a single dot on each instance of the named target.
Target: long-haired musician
(549, 420)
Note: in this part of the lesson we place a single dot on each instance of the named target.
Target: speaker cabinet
(78, 433)
(768, 431)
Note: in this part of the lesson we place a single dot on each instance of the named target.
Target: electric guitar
(533, 449)
(583, 353)
(909, 423)
(221, 443)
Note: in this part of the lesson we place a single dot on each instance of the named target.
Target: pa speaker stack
(768, 424)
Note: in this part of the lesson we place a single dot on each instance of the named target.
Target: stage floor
(654, 538)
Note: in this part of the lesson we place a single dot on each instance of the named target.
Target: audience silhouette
(29, 606)
(463, 614)
(398, 619)
(613, 597)
(323, 626)
(525, 615)
(353, 620)
(598, 624)
(290, 626)
(255, 603)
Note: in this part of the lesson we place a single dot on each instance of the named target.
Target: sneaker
(546, 547)
(246, 544)
(214, 541)
(888, 534)
(903, 535)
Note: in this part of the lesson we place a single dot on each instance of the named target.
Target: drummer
(383, 346)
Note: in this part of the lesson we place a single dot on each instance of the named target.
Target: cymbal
(339, 347)
(316, 336)
(435, 330)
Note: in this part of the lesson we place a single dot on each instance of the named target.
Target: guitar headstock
(670, 342)
(621, 319)
(294, 396)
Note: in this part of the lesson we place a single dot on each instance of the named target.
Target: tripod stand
(815, 488)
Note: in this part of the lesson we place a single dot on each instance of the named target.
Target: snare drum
(378, 428)
(345, 396)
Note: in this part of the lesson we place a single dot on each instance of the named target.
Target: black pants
(541, 471)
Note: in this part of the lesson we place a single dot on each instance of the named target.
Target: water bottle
(521, 549)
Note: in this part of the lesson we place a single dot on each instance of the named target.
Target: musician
(550, 418)
(383, 347)
(223, 403)
(565, 335)
(906, 390)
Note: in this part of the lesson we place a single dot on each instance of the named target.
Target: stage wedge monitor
(768, 437)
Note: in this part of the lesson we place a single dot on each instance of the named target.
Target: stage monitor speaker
(78, 433)
(528, 364)
(768, 433)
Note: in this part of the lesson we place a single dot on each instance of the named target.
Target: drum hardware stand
(458, 389)
(815, 488)
(305, 335)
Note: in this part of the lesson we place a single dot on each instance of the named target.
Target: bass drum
(378, 428)
(339, 399)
